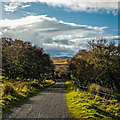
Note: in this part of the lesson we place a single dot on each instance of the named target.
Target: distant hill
(60, 60)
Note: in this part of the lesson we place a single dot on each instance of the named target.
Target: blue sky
(61, 28)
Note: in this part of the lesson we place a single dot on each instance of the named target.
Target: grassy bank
(86, 106)
(15, 92)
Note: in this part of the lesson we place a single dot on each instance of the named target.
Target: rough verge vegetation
(15, 92)
(86, 106)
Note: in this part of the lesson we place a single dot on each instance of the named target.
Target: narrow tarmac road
(49, 103)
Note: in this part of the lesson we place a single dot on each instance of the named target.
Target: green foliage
(100, 65)
(24, 60)
(86, 106)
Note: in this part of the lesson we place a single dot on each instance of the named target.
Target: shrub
(35, 85)
(8, 89)
(23, 85)
(95, 88)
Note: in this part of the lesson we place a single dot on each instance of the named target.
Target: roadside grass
(14, 93)
(86, 106)
(95, 88)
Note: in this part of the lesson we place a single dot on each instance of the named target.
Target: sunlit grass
(15, 92)
(86, 106)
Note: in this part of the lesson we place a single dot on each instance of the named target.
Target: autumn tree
(24, 60)
(100, 64)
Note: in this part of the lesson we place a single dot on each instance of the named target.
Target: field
(60, 60)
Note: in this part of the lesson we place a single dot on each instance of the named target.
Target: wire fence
(113, 101)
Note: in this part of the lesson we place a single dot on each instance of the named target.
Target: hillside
(60, 60)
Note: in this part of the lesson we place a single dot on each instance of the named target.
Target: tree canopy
(100, 64)
(24, 60)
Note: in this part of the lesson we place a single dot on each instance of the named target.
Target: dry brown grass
(60, 60)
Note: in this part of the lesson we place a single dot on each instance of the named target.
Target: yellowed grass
(60, 60)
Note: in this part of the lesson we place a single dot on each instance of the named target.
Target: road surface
(49, 103)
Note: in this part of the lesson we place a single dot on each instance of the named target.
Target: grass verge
(86, 106)
(16, 92)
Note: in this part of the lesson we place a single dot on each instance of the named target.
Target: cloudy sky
(61, 27)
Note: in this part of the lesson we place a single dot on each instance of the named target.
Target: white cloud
(76, 5)
(13, 6)
(24, 6)
(21, 22)
(56, 37)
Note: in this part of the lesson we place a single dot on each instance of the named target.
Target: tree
(100, 64)
(24, 60)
